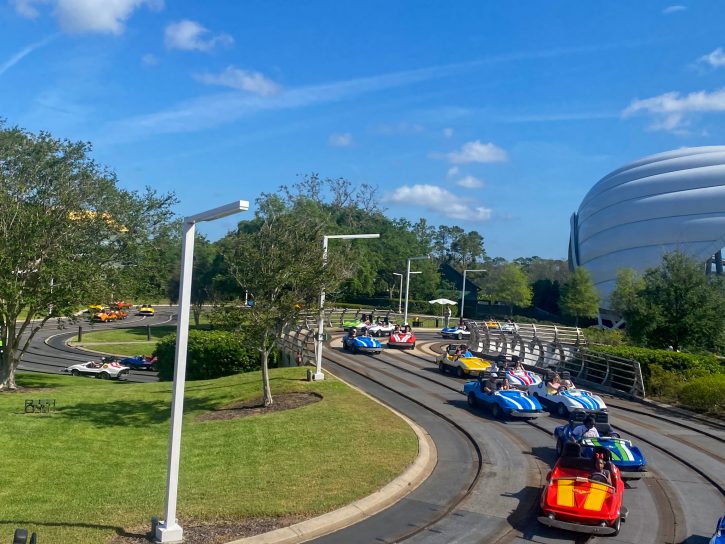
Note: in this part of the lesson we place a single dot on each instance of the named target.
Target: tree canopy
(508, 284)
(70, 236)
(579, 297)
(673, 306)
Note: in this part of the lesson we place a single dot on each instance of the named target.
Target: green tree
(674, 305)
(278, 258)
(70, 236)
(579, 297)
(508, 284)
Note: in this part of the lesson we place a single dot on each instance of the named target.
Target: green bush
(705, 394)
(210, 354)
(689, 364)
(608, 337)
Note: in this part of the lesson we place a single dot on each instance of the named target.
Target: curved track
(486, 484)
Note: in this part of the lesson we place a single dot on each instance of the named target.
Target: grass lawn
(97, 466)
(127, 342)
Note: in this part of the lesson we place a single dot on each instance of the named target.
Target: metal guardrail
(297, 341)
(550, 347)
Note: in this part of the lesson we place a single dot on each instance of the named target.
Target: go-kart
(522, 379)
(575, 499)
(719, 536)
(628, 458)
(459, 332)
(361, 344)
(402, 340)
(104, 370)
(502, 403)
(140, 362)
(461, 362)
(381, 329)
(564, 400)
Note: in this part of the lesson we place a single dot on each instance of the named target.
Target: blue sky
(495, 116)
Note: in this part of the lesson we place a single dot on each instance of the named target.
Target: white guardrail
(540, 347)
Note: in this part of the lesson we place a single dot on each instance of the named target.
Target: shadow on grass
(120, 531)
(128, 413)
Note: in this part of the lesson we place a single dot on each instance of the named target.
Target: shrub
(704, 394)
(608, 337)
(688, 364)
(210, 354)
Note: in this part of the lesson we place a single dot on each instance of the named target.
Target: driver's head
(589, 422)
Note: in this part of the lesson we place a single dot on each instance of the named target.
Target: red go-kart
(576, 498)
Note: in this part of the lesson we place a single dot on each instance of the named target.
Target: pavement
(366, 507)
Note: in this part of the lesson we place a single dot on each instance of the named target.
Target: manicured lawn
(128, 342)
(98, 464)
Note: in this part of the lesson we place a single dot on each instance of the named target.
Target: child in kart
(600, 473)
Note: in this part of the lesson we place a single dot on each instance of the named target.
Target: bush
(210, 354)
(608, 337)
(705, 394)
(686, 364)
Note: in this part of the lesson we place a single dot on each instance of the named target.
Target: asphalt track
(486, 484)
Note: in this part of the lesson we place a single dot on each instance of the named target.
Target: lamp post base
(318, 377)
(171, 534)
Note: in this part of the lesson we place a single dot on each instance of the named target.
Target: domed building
(633, 216)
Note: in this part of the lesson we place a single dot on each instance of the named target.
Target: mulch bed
(254, 407)
(211, 532)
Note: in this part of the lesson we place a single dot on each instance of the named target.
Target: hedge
(687, 364)
(210, 354)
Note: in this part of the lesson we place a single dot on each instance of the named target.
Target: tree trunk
(265, 380)
(7, 373)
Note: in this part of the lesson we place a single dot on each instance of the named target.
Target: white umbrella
(442, 301)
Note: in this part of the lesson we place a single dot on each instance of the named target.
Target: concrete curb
(368, 506)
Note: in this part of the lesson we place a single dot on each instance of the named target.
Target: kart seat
(604, 429)
(571, 457)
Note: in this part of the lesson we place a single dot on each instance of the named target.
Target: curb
(363, 508)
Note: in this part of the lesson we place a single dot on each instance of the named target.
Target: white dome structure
(633, 216)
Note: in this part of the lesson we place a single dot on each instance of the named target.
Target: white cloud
(716, 59)
(470, 182)
(673, 9)
(452, 171)
(477, 152)
(447, 132)
(436, 199)
(670, 110)
(340, 139)
(20, 55)
(242, 80)
(149, 60)
(76, 16)
(191, 36)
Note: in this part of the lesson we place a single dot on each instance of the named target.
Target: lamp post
(463, 288)
(169, 530)
(407, 284)
(318, 375)
(400, 292)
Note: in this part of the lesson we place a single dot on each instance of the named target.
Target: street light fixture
(169, 530)
(407, 284)
(463, 288)
(318, 375)
(400, 291)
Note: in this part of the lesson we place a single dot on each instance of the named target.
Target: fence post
(80, 333)
(148, 332)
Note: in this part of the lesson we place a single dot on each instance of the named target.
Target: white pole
(400, 293)
(463, 295)
(407, 287)
(169, 530)
(321, 321)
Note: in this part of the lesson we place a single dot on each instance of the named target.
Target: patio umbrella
(442, 301)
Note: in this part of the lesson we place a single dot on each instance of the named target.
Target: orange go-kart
(576, 499)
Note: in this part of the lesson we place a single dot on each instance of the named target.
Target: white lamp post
(318, 375)
(463, 288)
(407, 284)
(400, 292)
(169, 530)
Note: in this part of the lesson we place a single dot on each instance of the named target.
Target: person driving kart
(554, 384)
(490, 385)
(586, 429)
(600, 473)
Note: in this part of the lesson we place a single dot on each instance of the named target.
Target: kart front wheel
(75, 372)
(442, 368)
(459, 372)
(496, 410)
(617, 526)
(472, 402)
(459, 336)
(104, 375)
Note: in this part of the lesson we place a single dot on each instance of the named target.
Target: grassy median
(97, 466)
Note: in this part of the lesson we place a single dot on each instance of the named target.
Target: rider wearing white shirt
(586, 430)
